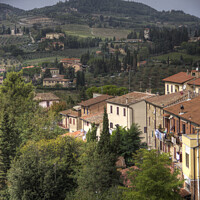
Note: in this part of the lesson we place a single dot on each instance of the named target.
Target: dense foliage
(152, 178)
(44, 170)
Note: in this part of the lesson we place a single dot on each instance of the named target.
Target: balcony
(163, 136)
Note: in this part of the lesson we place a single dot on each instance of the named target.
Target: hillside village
(99, 100)
(169, 123)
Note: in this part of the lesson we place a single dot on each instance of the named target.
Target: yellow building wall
(189, 142)
(172, 87)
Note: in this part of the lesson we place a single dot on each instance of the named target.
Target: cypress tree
(104, 145)
(116, 142)
(8, 142)
(92, 134)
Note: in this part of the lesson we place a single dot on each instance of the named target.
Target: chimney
(126, 100)
(187, 72)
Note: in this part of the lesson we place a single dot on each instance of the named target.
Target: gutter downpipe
(198, 159)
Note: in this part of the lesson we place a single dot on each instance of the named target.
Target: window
(84, 110)
(124, 111)
(87, 123)
(110, 109)
(74, 121)
(183, 128)
(117, 110)
(70, 120)
(161, 145)
(149, 121)
(167, 88)
(187, 160)
(87, 111)
(172, 88)
(111, 125)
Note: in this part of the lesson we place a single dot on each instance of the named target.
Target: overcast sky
(188, 6)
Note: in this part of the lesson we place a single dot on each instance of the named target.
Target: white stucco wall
(135, 113)
(118, 119)
(86, 127)
(73, 125)
(44, 103)
(139, 117)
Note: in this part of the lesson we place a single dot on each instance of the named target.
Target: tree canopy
(153, 178)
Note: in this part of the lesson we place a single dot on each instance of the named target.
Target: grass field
(176, 56)
(59, 55)
(41, 60)
(86, 31)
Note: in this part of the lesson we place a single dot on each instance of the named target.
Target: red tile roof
(28, 67)
(70, 112)
(195, 82)
(96, 118)
(46, 97)
(181, 77)
(130, 98)
(69, 59)
(166, 100)
(95, 100)
(76, 134)
(189, 113)
(124, 175)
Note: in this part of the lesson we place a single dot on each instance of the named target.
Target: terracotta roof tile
(46, 97)
(195, 82)
(69, 112)
(95, 100)
(76, 134)
(130, 98)
(190, 112)
(166, 100)
(96, 118)
(181, 77)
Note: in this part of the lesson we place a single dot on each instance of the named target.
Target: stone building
(128, 109)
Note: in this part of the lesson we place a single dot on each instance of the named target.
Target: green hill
(7, 11)
(105, 13)
(113, 13)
